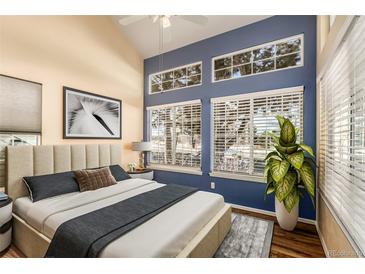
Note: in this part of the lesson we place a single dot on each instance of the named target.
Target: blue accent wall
(244, 193)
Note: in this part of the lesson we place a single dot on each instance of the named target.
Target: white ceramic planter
(286, 220)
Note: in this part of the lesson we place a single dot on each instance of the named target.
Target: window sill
(178, 169)
(241, 177)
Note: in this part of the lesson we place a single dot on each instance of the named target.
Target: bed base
(34, 244)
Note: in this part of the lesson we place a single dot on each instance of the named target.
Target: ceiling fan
(164, 20)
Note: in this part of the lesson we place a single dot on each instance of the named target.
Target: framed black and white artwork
(90, 116)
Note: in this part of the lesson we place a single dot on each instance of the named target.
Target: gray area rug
(249, 237)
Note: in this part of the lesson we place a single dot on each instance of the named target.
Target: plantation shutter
(232, 135)
(342, 134)
(241, 123)
(175, 134)
(265, 109)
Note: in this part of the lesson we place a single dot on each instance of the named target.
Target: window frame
(38, 136)
(172, 69)
(231, 54)
(341, 36)
(171, 167)
(251, 96)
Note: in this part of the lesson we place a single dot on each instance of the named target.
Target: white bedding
(165, 235)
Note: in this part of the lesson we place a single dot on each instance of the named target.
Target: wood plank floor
(11, 252)
(303, 242)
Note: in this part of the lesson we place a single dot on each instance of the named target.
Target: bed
(193, 227)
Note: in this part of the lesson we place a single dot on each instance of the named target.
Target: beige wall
(84, 52)
(335, 241)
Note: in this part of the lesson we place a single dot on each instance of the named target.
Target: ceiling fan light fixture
(165, 22)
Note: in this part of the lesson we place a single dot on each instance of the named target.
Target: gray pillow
(119, 173)
(46, 186)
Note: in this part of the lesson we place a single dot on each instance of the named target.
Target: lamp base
(141, 161)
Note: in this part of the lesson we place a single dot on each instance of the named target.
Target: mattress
(165, 235)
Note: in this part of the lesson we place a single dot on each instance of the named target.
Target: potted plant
(287, 170)
(132, 167)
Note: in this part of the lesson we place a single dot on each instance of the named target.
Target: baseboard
(270, 213)
(323, 243)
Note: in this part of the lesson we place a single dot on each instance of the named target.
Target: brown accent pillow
(94, 178)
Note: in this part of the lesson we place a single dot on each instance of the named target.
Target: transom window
(175, 134)
(177, 78)
(240, 126)
(277, 55)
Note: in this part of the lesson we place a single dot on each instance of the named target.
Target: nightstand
(6, 219)
(142, 174)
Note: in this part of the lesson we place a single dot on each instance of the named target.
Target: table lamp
(142, 147)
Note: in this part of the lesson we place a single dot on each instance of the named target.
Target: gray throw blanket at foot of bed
(87, 235)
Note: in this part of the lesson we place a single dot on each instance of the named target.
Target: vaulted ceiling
(146, 35)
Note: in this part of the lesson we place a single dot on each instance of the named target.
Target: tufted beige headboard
(38, 160)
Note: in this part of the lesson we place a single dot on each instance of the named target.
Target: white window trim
(252, 95)
(241, 177)
(174, 168)
(301, 36)
(256, 94)
(172, 69)
(197, 101)
(179, 169)
(236, 176)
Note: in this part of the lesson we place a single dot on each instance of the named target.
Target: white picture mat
(68, 92)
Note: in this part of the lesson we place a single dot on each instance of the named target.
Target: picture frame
(88, 115)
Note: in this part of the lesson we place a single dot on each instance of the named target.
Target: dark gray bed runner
(88, 234)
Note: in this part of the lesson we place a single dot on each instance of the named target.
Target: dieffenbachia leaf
(285, 186)
(272, 154)
(280, 119)
(286, 150)
(278, 169)
(307, 177)
(297, 130)
(291, 200)
(287, 133)
(296, 159)
(307, 149)
(266, 170)
(270, 184)
(270, 188)
(274, 137)
(310, 161)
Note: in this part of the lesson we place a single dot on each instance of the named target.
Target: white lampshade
(141, 146)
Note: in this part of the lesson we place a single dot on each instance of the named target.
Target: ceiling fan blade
(130, 19)
(196, 19)
(154, 18)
